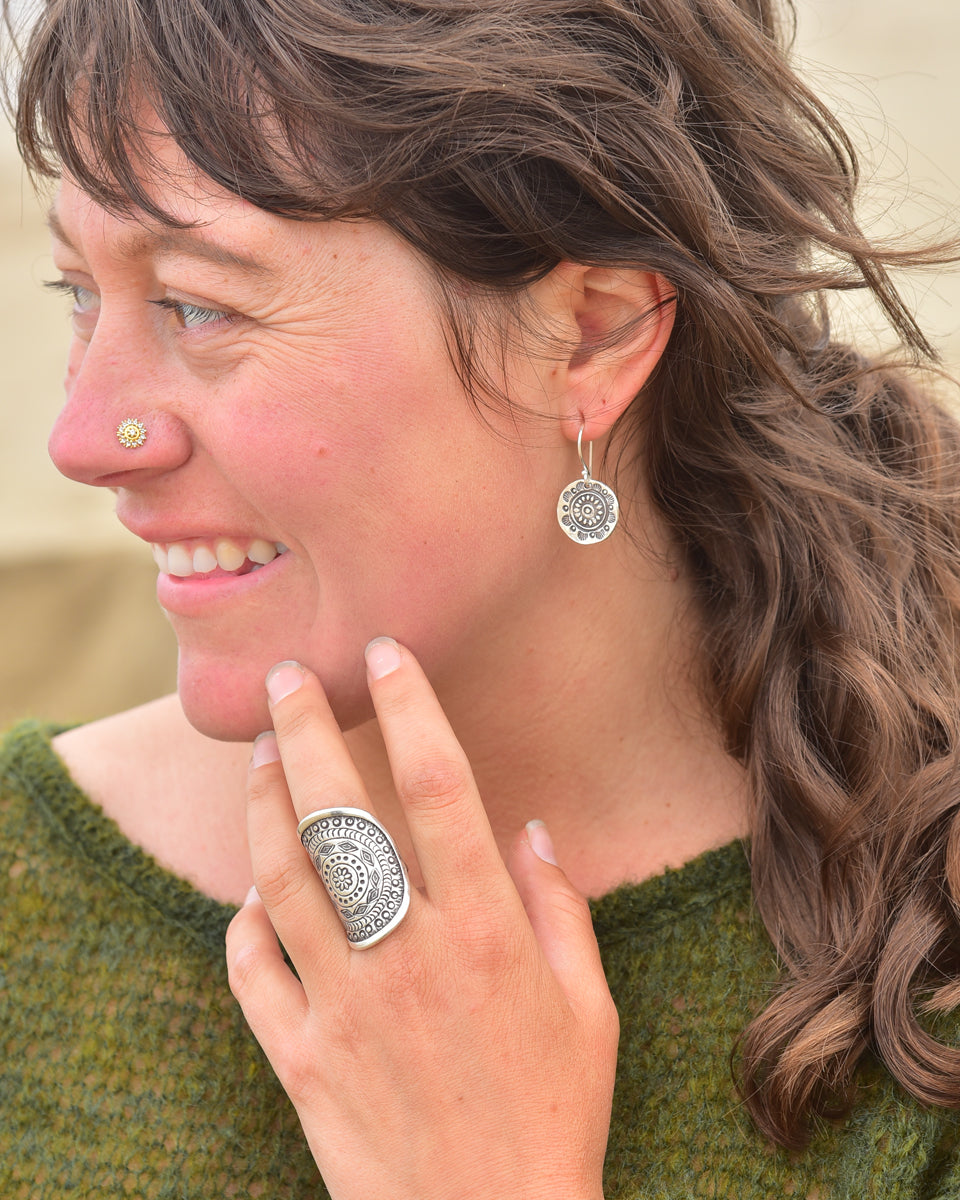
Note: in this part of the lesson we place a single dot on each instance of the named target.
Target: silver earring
(587, 509)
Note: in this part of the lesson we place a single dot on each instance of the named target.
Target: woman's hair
(813, 495)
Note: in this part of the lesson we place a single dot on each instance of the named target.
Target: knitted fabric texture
(128, 1069)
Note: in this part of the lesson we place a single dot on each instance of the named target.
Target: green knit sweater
(128, 1069)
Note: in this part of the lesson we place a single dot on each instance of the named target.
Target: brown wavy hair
(813, 495)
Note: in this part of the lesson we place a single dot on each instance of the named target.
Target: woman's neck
(591, 717)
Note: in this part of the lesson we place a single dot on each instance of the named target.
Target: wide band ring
(359, 866)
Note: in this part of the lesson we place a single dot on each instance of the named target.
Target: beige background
(80, 634)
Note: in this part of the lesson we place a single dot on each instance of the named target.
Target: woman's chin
(229, 703)
(227, 714)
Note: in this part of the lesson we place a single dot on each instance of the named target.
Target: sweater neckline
(637, 909)
(29, 761)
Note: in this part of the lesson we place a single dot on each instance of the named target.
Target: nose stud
(131, 433)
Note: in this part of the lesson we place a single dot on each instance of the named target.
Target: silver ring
(359, 865)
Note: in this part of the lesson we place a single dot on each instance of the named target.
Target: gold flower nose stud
(131, 433)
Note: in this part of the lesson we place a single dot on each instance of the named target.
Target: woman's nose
(112, 430)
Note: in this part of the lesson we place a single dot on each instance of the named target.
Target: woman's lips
(198, 577)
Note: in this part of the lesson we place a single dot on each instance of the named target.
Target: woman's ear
(617, 322)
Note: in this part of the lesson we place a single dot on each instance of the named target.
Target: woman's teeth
(177, 558)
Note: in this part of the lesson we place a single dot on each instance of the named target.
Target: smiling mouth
(220, 556)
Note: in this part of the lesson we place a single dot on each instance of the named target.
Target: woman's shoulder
(142, 751)
(173, 792)
(127, 751)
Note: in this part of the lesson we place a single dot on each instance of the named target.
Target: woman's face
(299, 401)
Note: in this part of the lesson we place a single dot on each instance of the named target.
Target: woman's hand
(472, 1052)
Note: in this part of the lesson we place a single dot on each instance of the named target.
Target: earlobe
(621, 320)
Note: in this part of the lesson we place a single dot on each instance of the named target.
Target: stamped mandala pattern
(359, 865)
(588, 511)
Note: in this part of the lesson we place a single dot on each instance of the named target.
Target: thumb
(559, 915)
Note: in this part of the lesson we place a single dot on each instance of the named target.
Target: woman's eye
(86, 304)
(84, 301)
(192, 316)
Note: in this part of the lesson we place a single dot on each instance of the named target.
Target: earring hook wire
(586, 470)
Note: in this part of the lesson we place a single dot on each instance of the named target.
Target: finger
(316, 762)
(358, 861)
(561, 921)
(292, 892)
(451, 835)
(272, 999)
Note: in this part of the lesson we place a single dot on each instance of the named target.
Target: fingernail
(540, 842)
(265, 749)
(383, 656)
(283, 679)
(251, 897)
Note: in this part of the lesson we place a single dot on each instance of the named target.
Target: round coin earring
(131, 433)
(587, 509)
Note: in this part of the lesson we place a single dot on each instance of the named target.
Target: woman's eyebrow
(166, 241)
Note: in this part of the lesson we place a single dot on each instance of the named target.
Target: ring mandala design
(588, 511)
(359, 865)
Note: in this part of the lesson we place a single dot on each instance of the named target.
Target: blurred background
(80, 631)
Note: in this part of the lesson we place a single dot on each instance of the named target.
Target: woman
(359, 290)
